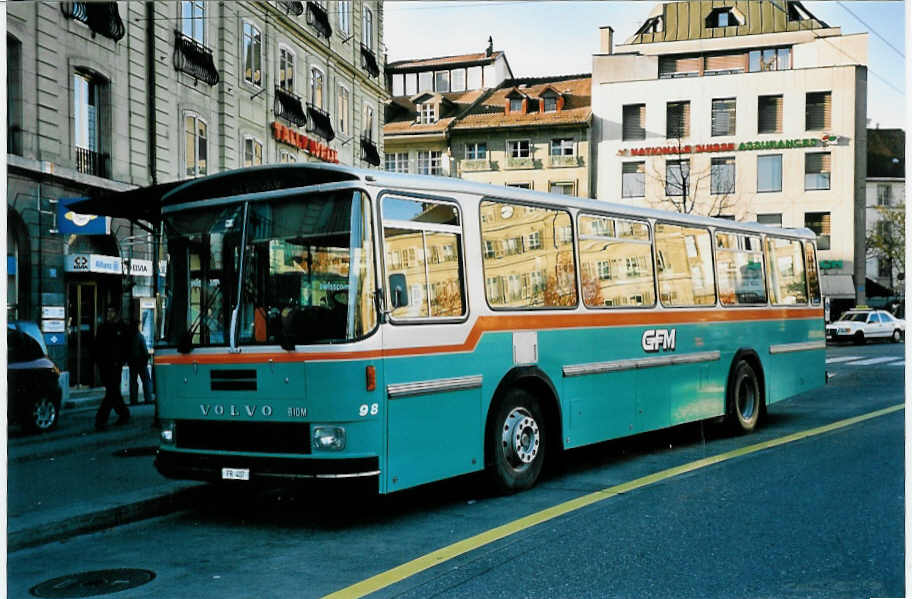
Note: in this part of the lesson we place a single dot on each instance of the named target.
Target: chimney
(490, 51)
(607, 34)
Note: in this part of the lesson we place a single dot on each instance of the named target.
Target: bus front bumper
(210, 467)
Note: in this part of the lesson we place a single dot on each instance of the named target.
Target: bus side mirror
(398, 290)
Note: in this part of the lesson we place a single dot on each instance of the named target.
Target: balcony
(477, 164)
(288, 106)
(520, 163)
(103, 18)
(89, 162)
(563, 161)
(320, 124)
(318, 19)
(194, 59)
(369, 62)
(291, 8)
(369, 153)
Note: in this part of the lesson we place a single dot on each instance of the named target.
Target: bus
(327, 322)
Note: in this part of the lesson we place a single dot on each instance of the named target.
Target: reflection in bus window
(739, 266)
(810, 256)
(423, 242)
(787, 282)
(685, 270)
(615, 262)
(528, 256)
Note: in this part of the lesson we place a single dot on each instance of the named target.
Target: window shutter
(671, 65)
(723, 117)
(817, 162)
(769, 117)
(678, 119)
(725, 62)
(634, 120)
(818, 110)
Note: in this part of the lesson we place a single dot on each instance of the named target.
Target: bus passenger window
(615, 259)
(686, 276)
(787, 282)
(813, 279)
(739, 266)
(527, 256)
(423, 252)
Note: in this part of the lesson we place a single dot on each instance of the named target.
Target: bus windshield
(307, 275)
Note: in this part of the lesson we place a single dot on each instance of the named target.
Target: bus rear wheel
(744, 399)
(517, 442)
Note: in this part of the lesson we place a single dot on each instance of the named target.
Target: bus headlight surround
(168, 432)
(328, 438)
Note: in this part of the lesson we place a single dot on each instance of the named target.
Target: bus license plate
(235, 474)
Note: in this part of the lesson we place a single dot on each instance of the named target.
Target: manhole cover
(90, 584)
(135, 452)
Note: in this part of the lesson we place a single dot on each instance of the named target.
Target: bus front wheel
(517, 441)
(744, 399)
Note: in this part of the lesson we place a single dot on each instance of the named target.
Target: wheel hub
(44, 413)
(521, 437)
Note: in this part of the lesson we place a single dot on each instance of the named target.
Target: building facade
(885, 193)
(107, 96)
(751, 110)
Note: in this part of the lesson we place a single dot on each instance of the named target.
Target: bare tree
(689, 191)
(886, 241)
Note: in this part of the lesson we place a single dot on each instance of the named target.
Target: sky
(557, 38)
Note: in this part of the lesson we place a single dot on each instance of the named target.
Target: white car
(859, 325)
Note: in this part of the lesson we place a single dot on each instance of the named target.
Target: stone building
(885, 192)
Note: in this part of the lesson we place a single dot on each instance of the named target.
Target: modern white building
(749, 109)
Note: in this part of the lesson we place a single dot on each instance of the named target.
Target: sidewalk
(74, 480)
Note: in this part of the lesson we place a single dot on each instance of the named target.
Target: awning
(320, 123)
(369, 153)
(288, 106)
(837, 286)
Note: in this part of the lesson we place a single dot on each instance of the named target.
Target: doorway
(82, 311)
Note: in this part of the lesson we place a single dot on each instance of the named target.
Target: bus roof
(145, 203)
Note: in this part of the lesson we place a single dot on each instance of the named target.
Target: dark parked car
(32, 379)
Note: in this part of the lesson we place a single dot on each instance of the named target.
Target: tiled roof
(479, 57)
(491, 113)
(403, 122)
(886, 153)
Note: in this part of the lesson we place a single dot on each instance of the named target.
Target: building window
(819, 223)
(442, 81)
(13, 96)
(817, 111)
(550, 104)
(677, 175)
(634, 122)
(397, 162)
(769, 59)
(817, 170)
(476, 151)
(429, 163)
(723, 17)
(286, 69)
(343, 110)
(253, 152)
(316, 87)
(427, 113)
(633, 180)
(769, 114)
(515, 104)
(425, 82)
(723, 116)
(193, 20)
(769, 173)
(722, 175)
(367, 32)
(253, 55)
(195, 147)
(87, 123)
(561, 188)
(562, 147)
(519, 149)
(345, 16)
(368, 129)
(770, 219)
(286, 157)
(677, 123)
(884, 268)
(884, 194)
(519, 185)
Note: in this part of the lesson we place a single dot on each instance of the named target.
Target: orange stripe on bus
(485, 324)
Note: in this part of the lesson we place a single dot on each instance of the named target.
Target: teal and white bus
(329, 322)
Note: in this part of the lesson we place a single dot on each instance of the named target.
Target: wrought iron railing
(369, 61)
(292, 8)
(320, 122)
(288, 106)
(102, 18)
(195, 59)
(317, 17)
(89, 162)
(369, 153)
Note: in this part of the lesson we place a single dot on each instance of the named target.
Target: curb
(168, 503)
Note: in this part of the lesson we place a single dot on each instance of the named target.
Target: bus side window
(615, 258)
(739, 266)
(686, 276)
(787, 282)
(813, 279)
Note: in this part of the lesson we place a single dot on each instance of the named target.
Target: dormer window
(724, 17)
(550, 104)
(515, 104)
(653, 25)
(427, 113)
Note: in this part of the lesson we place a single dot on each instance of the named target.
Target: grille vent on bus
(233, 380)
(253, 437)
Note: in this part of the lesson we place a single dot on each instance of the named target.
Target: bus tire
(745, 402)
(517, 441)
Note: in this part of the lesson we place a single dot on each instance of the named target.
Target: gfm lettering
(658, 339)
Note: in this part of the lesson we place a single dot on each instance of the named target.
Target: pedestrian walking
(139, 365)
(111, 347)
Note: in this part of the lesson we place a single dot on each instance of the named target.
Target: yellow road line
(390, 577)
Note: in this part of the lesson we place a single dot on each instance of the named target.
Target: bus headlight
(328, 438)
(167, 432)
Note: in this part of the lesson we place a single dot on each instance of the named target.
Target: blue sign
(11, 265)
(80, 224)
(54, 339)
